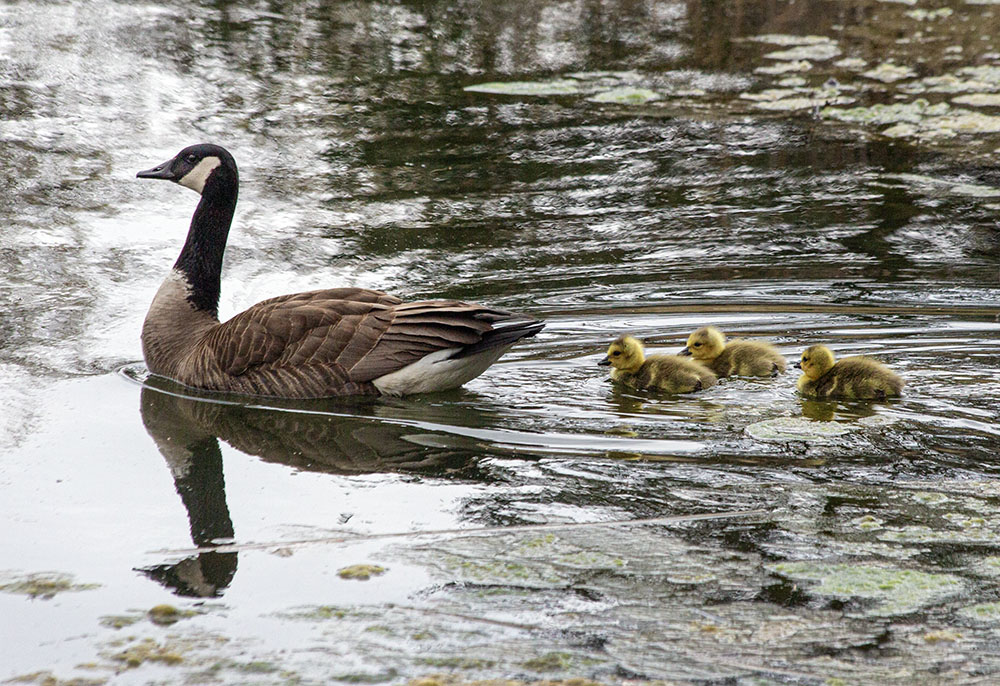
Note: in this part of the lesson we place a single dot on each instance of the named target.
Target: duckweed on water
(899, 591)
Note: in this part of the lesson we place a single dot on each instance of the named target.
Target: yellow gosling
(860, 378)
(737, 357)
(665, 373)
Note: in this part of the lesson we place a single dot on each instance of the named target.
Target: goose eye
(190, 159)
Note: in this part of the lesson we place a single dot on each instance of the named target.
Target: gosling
(736, 358)
(664, 373)
(857, 378)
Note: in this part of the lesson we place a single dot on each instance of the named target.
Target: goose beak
(163, 170)
(686, 351)
(606, 362)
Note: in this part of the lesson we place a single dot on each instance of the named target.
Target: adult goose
(316, 344)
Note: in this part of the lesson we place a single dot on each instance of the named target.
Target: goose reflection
(187, 430)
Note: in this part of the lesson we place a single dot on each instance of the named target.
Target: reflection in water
(187, 430)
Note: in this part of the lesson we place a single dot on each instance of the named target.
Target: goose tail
(502, 335)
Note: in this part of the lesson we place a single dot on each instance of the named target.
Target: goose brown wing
(359, 334)
(303, 329)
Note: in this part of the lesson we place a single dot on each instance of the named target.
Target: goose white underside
(435, 372)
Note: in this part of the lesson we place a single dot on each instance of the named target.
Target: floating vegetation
(44, 585)
(852, 63)
(978, 99)
(148, 650)
(983, 612)
(924, 534)
(930, 15)
(362, 572)
(796, 429)
(536, 88)
(165, 615)
(785, 67)
(626, 96)
(912, 112)
(817, 51)
(888, 72)
(899, 591)
(957, 188)
(788, 39)
(119, 621)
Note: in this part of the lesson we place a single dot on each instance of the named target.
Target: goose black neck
(201, 257)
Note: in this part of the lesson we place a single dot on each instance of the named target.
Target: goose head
(196, 167)
(624, 353)
(816, 361)
(706, 343)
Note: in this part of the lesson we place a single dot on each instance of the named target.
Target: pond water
(806, 172)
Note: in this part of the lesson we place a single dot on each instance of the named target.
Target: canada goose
(316, 344)
(736, 358)
(667, 373)
(860, 378)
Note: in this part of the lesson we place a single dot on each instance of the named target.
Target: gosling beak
(606, 362)
(160, 171)
(686, 351)
(797, 365)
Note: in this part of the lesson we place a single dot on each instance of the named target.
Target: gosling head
(706, 343)
(816, 361)
(624, 353)
(195, 167)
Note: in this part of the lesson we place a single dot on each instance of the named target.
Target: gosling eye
(697, 345)
(616, 353)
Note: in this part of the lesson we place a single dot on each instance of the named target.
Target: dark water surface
(643, 167)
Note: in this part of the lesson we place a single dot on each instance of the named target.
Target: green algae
(978, 99)
(817, 52)
(785, 67)
(898, 591)
(789, 39)
(360, 572)
(43, 585)
(889, 72)
(924, 534)
(532, 88)
(549, 662)
(796, 429)
(982, 612)
(626, 96)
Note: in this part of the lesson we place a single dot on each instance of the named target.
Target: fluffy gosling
(859, 378)
(737, 357)
(665, 373)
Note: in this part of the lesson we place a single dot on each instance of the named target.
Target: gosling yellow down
(859, 378)
(665, 373)
(737, 357)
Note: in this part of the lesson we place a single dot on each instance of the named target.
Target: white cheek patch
(196, 178)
